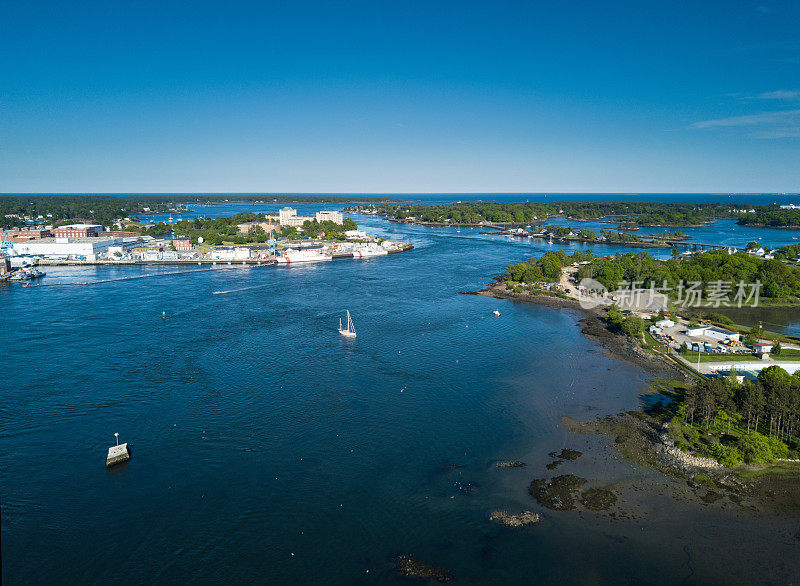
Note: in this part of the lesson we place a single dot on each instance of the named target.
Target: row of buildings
(80, 230)
(705, 338)
(288, 217)
(92, 242)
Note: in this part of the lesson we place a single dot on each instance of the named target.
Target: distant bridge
(691, 245)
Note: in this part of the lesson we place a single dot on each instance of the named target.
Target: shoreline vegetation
(565, 235)
(732, 440)
(626, 215)
(105, 209)
(483, 213)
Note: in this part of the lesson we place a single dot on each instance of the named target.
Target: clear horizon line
(395, 193)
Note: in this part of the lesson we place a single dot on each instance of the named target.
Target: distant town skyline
(366, 97)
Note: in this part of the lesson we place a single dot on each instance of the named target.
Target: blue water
(442, 198)
(268, 449)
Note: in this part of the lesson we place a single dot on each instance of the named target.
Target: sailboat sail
(350, 331)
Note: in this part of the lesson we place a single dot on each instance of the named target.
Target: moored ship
(369, 251)
(291, 256)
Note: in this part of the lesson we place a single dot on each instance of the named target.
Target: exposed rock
(511, 464)
(413, 568)
(564, 493)
(568, 454)
(559, 493)
(519, 520)
(672, 455)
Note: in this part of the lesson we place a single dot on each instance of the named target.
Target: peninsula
(725, 415)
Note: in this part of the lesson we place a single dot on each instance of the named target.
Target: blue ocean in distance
(266, 448)
(445, 198)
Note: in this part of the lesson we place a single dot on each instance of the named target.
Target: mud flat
(642, 439)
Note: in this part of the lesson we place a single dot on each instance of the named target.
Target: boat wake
(241, 289)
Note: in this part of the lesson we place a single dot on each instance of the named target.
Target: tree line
(107, 209)
(772, 216)
(753, 421)
(635, 213)
(778, 280)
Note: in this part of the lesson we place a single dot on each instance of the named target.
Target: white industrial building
(355, 234)
(240, 253)
(67, 248)
(713, 333)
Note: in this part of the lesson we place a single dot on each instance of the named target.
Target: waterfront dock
(130, 263)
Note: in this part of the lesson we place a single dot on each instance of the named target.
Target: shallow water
(266, 448)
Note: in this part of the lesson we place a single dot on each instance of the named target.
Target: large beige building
(330, 216)
(267, 226)
(288, 217)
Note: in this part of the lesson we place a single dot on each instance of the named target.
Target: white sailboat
(350, 330)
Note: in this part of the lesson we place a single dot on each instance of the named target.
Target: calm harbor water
(268, 449)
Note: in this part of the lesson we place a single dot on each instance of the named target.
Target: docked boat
(26, 274)
(369, 251)
(290, 256)
(350, 330)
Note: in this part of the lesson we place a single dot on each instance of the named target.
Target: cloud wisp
(787, 95)
(779, 124)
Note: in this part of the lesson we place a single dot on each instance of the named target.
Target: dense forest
(641, 213)
(105, 209)
(547, 268)
(753, 421)
(57, 208)
(778, 280)
(773, 217)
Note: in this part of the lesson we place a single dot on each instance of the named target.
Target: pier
(132, 263)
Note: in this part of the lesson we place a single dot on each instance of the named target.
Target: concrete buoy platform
(117, 454)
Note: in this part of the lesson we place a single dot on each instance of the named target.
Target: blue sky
(407, 96)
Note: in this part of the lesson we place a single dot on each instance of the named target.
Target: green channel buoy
(163, 315)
